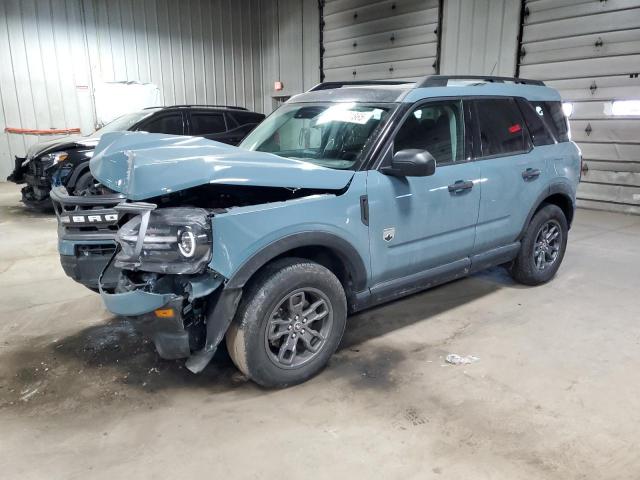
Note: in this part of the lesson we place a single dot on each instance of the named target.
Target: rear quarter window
(553, 116)
(540, 134)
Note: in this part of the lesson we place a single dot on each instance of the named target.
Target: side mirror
(411, 163)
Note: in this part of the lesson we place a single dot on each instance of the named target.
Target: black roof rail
(442, 80)
(232, 107)
(364, 83)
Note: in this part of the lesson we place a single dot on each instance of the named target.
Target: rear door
(514, 174)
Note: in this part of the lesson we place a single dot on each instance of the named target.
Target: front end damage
(163, 195)
(163, 280)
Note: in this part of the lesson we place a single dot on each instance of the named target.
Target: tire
(83, 184)
(286, 288)
(536, 262)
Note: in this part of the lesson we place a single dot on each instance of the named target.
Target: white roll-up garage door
(374, 40)
(590, 52)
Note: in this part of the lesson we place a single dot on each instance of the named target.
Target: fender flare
(78, 170)
(224, 303)
(561, 188)
(346, 252)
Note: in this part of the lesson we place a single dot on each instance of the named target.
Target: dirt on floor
(552, 393)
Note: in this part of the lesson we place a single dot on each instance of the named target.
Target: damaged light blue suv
(349, 195)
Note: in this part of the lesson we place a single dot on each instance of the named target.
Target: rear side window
(171, 124)
(206, 123)
(553, 116)
(540, 135)
(501, 127)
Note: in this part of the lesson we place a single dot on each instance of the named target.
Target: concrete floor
(554, 395)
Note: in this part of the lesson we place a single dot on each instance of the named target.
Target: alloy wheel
(298, 327)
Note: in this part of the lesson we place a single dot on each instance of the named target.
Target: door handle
(460, 186)
(531, 173)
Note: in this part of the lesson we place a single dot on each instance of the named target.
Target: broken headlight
(175, 240)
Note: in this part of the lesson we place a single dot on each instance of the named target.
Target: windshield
(331, 135)
(125, 122)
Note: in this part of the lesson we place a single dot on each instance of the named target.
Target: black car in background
(65, 161)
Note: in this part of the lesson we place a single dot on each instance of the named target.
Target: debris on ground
(455, 359)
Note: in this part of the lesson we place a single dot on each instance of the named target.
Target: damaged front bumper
(19, 170)
(35, 194)
(189, 321)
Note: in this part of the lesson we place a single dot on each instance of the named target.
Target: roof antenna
(494, 67)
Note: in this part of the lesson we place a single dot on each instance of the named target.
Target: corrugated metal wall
(36, 37)
(366, 40)
(196, 51)
(590, 52)
(480, 37)
(291, 31)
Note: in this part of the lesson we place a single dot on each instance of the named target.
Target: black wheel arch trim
(341, 247)
(561, 188)
(78, 171)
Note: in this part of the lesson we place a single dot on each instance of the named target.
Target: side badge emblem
(388, 234)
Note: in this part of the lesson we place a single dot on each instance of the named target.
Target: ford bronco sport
(347, 196)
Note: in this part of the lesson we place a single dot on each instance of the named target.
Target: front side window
(330, 134)
(206, 123)
(501, 127)
(436, 127)
(170, 124)
(125, 122)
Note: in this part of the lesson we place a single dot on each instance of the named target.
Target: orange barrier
(53, 131)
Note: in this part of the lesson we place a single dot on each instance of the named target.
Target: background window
(540, 135)
(171, 124)
(501, 127)
(205, 123)
(437, 128)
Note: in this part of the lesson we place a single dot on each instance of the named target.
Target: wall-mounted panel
(391, 39)
(590, 52)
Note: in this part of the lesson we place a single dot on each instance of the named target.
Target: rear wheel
(289, 323)
(542, 247)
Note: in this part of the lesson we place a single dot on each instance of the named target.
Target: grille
(91, 250)
(36, 168)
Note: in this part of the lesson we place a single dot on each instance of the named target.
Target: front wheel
(85, 185)
(542, 247)
(289, 323)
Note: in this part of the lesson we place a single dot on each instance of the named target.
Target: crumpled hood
(145, 165)
(61, 144)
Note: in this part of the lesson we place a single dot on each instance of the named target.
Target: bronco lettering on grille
(103, 218)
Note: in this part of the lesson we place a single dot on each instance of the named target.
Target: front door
(418, 224)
